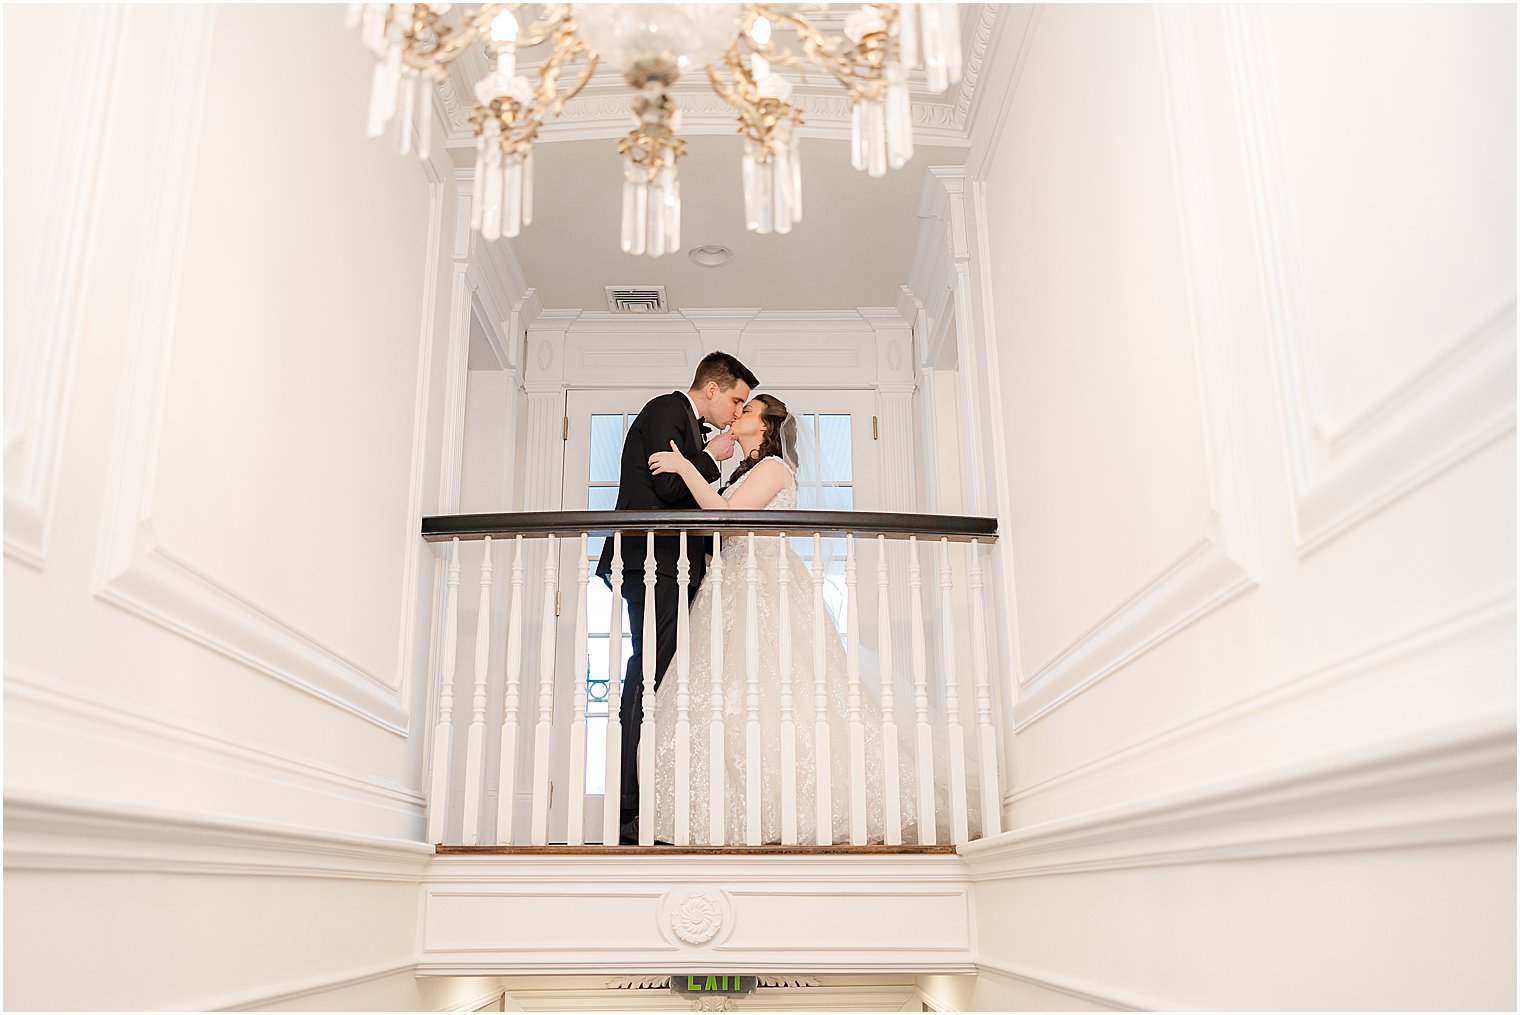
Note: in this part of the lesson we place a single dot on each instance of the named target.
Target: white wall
(1251, 280)
(223, 391)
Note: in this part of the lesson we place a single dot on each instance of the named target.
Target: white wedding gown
(767, 625)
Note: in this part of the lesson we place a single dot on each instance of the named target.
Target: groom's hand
(721, 447)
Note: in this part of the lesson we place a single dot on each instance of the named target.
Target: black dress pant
(631, 709)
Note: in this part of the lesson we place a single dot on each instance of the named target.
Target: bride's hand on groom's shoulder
(668, 461)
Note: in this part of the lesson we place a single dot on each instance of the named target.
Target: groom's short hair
(725, 369)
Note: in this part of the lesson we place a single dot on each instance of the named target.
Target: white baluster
(956, 736)
(751, 703)
(576, 832)
(788, 719)
(717, 748)
(823, 754)
(474, 754)
(646, 728)
(926, 829)
(683, 700)
(506, 785)
(890, 762)
(612, 797)
(545, 727)
(858, 831)
(443, 728)
(992, 806)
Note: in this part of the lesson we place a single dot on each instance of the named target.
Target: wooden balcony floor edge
(599, 850)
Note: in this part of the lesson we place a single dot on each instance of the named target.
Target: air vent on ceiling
(636, 299)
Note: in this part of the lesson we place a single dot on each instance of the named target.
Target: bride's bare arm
(673, 461)
(764, 482)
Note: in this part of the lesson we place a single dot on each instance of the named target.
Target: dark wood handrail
(957, 528)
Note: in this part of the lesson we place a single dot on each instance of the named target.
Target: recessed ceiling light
(710, 255)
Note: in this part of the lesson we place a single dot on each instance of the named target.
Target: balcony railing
(901, 753)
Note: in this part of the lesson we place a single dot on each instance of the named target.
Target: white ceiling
(852, 248)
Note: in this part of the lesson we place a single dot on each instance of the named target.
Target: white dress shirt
(694, 412)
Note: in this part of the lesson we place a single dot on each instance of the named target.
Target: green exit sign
(710, 983)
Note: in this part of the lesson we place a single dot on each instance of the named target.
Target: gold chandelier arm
(844, 60)
(724, 89)
(567, 45)
(451, 44)
(581, 82)
(758, 116)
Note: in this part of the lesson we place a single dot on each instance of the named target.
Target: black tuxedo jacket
(664, 419)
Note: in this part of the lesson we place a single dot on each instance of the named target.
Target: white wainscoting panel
(166, 906)
(1406, 365)
(47, 290)
(1184, 285)
(555, 914)
(146, 504)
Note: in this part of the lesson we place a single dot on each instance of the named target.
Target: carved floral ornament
(697, 917)
(739, 47)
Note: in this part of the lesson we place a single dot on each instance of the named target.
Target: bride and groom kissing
(666, 465)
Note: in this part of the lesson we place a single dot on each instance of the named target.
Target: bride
(767, 479)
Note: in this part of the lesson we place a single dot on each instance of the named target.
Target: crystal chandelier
(651, 46)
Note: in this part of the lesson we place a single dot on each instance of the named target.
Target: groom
(718, 392)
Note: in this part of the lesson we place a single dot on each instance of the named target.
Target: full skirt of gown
(753, 609)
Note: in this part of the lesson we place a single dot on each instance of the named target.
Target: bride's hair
(776, 439)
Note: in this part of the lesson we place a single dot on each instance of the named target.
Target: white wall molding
(949, 278)
(524, 312)
(1191, 586)
(561, 914)
(1450, 785)
(418, 603)
(1465, 641)
(498, 277)
(1221, 562)
(53, 832)
(310, 989)
(1085, 992)
(989, 111)
(135, 570)
(455, 384)
(824, 349)
(80, 723)
(720, 328)
(1460, 400)
(37, 395)
(496, 995)
(814, 998)
(943, 870)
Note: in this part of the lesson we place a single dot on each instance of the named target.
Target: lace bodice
(786, 497)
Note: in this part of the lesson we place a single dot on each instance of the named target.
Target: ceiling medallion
(651, 46)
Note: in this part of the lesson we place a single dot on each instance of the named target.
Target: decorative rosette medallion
(695, 915)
